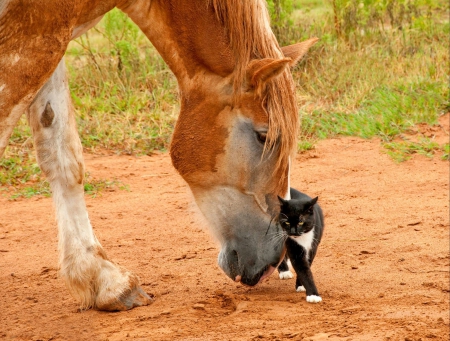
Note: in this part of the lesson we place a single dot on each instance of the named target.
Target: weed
(95, 187)
(379, 68)
(125, 96)
(446, 150)
(402, 151)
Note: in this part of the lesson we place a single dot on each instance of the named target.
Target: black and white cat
(301, 218)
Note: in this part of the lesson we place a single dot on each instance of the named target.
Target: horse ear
(297, 51)
(260, 71)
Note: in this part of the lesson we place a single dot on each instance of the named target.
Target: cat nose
(293, 230)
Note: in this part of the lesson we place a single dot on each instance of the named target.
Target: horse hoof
(130, 298)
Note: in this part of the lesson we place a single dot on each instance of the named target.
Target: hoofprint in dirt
(382, 266)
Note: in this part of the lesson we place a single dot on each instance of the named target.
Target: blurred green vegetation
(379, 68)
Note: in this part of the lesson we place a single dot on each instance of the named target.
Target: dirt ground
(382, 268)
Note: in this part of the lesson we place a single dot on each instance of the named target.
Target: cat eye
(261, 136)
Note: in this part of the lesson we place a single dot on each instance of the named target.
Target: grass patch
(375, 72)
(95, 187)
(446, 150)
(125, 96)
(92, 188)
(402, 151)
(21, 177)
(379, 68)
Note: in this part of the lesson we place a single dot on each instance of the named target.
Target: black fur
(297, 216)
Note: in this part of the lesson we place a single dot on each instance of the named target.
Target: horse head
(238, 120)
(236, 162)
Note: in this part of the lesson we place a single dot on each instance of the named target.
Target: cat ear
(281, 200)
(314, 201)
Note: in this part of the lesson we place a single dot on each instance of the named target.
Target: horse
(232, 142)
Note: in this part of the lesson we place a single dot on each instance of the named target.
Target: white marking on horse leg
(90, 275)
(300, 288)
(286, 275)
(287, 196)
(313, 299)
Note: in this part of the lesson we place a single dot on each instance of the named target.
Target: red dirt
(382, 267)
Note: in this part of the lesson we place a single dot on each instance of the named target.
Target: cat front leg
(300, 263)
(283, 270)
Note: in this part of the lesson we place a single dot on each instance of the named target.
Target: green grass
(446, 150)
(402, 151)
(380, 68)
(125, 96)
(373, 79)
(35, 185)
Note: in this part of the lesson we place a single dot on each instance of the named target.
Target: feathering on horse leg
(91, 277)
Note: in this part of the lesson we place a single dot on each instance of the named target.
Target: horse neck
(187, 34)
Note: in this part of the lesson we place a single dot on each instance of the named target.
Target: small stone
(402, 283)
(165, 312)
(351, 309)
(354, 267)
(199, 306)
(317, 337)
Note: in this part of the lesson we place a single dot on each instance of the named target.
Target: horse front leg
(90, 275)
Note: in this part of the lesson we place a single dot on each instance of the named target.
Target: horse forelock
(248, 26)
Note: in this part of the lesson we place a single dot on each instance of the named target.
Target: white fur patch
(301, 288)
(286, 275)
(305, 240)
(313, 299)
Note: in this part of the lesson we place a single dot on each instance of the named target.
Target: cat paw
(313, 299)
(286, 274)
(301, 288)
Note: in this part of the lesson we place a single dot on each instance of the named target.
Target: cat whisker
(276, 236)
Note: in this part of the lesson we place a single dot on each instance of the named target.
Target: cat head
(297, 215)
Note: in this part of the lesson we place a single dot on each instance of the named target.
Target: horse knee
(58, 148)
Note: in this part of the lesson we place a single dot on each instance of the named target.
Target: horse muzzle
(250, 268)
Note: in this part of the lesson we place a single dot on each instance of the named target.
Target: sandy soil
(382, 268)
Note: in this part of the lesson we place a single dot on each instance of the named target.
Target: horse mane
(248, 26)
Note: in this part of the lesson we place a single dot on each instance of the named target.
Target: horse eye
(261, 136)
